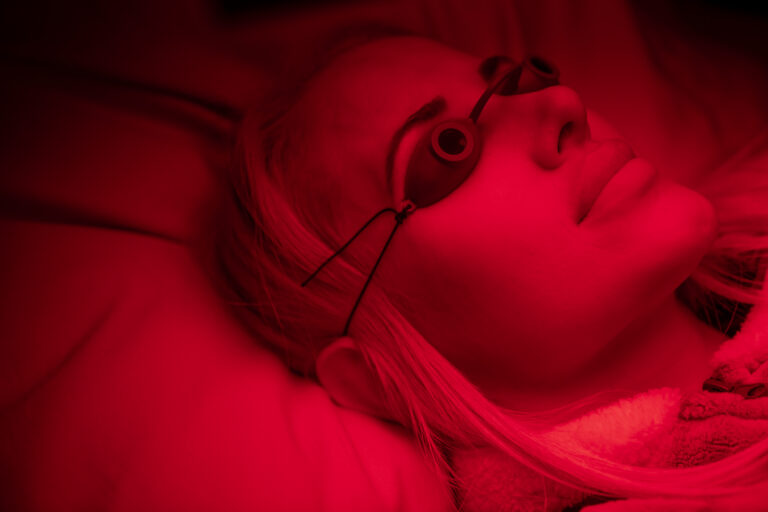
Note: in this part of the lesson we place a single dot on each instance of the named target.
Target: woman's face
(502, 276)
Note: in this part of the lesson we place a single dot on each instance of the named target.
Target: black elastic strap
(399, 219)
(341, 249)
(513, 76)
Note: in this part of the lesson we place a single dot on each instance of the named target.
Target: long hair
(271, 239)
(730, 277)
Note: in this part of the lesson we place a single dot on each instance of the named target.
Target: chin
(697, 220)
(683, 227)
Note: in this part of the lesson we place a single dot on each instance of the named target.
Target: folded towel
(659, 428)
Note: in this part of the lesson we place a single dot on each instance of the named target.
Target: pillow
(126, 383)
(127, 386)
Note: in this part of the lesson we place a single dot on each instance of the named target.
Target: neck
(669, 347)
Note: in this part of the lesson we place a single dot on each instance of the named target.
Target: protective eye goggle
(447, 154)
(445, 157)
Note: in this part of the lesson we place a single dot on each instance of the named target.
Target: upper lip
(600, 166)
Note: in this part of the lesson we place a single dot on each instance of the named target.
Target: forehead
(350, 111)
(390, 78)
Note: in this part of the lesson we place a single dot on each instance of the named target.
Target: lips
(600, 166)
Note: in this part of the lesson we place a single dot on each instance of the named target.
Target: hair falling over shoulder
(730, 278)
(270, 241)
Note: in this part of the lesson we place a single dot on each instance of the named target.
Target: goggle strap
(399, 219)
(341, 249)
(512, 74)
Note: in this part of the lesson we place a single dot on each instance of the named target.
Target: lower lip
(626, 186)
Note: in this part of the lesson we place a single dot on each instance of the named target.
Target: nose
(561, 127)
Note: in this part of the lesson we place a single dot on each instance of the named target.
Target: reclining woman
(512, 261)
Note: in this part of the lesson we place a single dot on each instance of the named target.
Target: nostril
(543, 66)
(565, 134)
(562, 127)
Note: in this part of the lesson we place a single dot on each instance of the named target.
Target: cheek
(480, 274)
(520, 300)
(506, 311)
(502, 282)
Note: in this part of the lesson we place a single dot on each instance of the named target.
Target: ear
(343, 372)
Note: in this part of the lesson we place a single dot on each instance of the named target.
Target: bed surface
(126, 384)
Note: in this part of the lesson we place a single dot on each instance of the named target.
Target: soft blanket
(663, 427)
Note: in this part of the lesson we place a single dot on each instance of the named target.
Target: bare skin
(535, 305)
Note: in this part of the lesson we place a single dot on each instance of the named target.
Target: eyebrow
(428, 111)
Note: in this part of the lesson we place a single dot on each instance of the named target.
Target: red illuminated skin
(534, 306)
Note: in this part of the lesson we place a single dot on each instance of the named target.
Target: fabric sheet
(124, 383)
